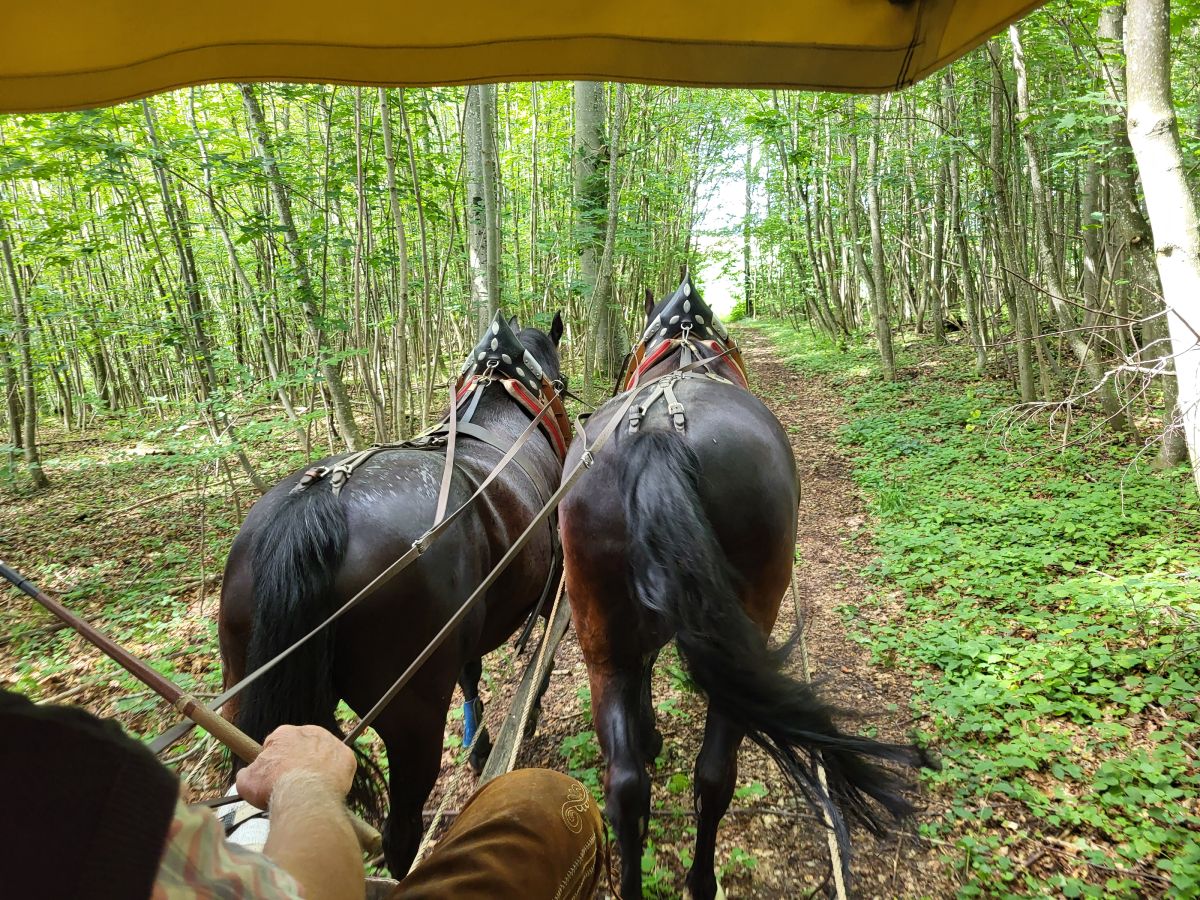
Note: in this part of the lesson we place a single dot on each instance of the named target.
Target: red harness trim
(666, 347)
(534, 406)
(548, 423)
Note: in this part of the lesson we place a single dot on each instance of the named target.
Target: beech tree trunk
(1136, 285)
(747, 230)
(1006, 241)
(399, 330)
(1154, 136)
(879, 297)
(606, 315)
(12, 396)
(476, 206)
(491, 194)
(590, 191)
(33, 460)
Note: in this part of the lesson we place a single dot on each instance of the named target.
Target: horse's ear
(649, 302)
(556, 328)
(514, 324)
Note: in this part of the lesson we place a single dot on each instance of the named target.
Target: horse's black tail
(296, 557)
(679, 570)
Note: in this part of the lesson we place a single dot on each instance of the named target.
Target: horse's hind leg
(652, 739)
(411, 729)
(473, 727)
(617, 699)
(716, 775)
(235, 619)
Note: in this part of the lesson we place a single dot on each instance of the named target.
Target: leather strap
(448, 468)
(585, 462)
(410, 556)
(479, 433)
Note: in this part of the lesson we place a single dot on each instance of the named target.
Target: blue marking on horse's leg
(472, 713)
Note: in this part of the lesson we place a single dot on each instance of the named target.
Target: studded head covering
(685, 309)
(501, 354)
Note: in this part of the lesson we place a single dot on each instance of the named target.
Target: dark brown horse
(302, 554)
(685, 528)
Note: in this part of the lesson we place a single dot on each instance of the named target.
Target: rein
(585, 462)
(419, 546)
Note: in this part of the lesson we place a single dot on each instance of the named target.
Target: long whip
(211, 721)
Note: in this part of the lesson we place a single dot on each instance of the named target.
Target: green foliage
(658, 880)
(739, 859)
(755, 790)
(1050, 604)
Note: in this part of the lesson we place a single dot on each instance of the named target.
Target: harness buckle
(338, 478)
(675, 409)
(316, 473)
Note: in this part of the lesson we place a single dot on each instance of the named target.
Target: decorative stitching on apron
(577, 802)
(577, 868)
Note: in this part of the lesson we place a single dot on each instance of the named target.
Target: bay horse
(313, 542)
(686, 528)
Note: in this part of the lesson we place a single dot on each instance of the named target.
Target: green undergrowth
(1046, 602)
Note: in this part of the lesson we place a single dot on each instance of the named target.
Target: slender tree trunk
(533, 189)
(399, 330)
(937, 274)
(747, 231)
(33, 459)
(342, 411)
(1114, 410)
(1154, 136)
(972, 306)
(491, 193)
(606, 316)
(879, 297)
(12, 397)
(477, 205)
(587, 149)
(1006, 246)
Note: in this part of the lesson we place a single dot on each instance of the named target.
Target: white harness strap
(666, 388)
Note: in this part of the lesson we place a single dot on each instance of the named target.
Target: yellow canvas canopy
(72, 54)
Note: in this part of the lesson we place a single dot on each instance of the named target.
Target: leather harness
(684, 322)
(641, 360)
(442, 436)
(497, 360)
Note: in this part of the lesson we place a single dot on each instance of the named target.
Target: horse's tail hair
(296, 557)
(680, 571)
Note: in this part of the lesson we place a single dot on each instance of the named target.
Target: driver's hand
(307, 750)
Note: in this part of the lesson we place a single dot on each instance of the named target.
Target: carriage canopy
(74, 54)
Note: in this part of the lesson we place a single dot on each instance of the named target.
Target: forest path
(770, 844)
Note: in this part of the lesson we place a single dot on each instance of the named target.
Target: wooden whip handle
(247, 749)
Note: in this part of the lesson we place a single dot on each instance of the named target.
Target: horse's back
(746, 484)
(747, 468)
